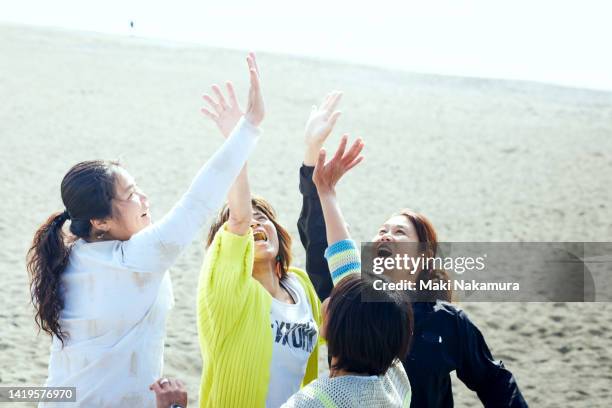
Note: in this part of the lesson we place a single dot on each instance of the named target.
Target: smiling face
(397, 230)
(271, 238)
(266, 236)
(130, 209)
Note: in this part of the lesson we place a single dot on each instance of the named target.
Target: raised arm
(226, 281)
(157, 247)
(225, 116)
(325, 178)
(342, 255)
(311, 225)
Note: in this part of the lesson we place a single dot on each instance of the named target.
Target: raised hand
(255, 111)
(319, 125)
(327, 175)
(224, 114)
(227, 113)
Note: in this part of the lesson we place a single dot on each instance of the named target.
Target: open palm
(227, 113)
(327, 175)
(322, 120)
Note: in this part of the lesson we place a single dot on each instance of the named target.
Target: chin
(146, 221)
(263, 254)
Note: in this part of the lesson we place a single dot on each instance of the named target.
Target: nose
(255, 223)
(144, 200)
(386, 237)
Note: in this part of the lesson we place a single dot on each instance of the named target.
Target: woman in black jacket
(444, 338)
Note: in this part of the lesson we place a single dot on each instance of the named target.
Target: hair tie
(65, 215)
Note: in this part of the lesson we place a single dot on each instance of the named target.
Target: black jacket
(444, 338)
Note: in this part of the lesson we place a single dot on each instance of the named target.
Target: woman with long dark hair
(102, 290)
(444, 338)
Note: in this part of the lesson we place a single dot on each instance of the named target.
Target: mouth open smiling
(384, 251)
(260, 236)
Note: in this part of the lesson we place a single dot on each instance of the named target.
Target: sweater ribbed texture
(234, 325)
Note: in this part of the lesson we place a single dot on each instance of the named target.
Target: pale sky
(562, 42)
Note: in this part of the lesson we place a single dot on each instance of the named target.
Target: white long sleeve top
(117, 293)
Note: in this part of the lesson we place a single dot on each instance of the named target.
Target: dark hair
(87, 190)
(427, 235)
(284, 239)
(364, 336)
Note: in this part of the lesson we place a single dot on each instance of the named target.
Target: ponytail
(46, 261)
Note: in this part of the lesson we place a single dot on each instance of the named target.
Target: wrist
(329, 194)
(312, 154)
(252, 120)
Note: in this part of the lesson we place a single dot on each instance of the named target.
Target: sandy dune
(486, 160)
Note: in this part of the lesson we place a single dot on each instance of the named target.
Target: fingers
(253, 72)
(252, 55)
(325, 103)
(334, 118)
(334, 101)
(341, 147)
(220, 97)
(209, 114)
(354, 163)
(155, 387)
(231, 93)
(319, 164)
(213, 104)
(354, 151)
(331, 102)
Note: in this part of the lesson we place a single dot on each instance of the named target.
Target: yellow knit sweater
(234, 325)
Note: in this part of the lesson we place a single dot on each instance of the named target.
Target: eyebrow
(398, 226)
(130, 187)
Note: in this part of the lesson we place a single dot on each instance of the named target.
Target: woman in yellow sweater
(258, 317)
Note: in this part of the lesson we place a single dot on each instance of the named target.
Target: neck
(264, 272)
(333, 372)
(398, 275)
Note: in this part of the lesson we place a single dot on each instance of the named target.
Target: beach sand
(485, 160)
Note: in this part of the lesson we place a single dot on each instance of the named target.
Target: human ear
(101, 225)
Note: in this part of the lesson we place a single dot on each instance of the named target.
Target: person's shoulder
(304, 280)
(307, 397)
(454, 312)
(440, 309)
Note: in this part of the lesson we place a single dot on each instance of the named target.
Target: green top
(234, 325)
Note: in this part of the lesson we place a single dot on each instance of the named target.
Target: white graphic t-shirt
(294, 336)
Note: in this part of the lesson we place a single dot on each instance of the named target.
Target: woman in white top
(103, 291)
